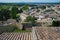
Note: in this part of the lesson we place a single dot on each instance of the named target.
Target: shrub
(56, 23)
(30, 19)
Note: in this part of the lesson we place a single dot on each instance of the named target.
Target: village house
(45, 22)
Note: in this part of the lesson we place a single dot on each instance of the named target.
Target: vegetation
(18, 30)
(20, 11)
(4, 7)
(11, 28)
(43, 7)
(30, 19)
(48, 5)
(25, 7)
(4, 14)
(56, 23)
(13, 12)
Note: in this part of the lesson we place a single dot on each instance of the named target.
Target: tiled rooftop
(48, 33)
(15, 36)
(40, 33)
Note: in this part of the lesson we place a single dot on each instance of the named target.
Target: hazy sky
(29, 0)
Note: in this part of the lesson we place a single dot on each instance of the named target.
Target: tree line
(7, 14)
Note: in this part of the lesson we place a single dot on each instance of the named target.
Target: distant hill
(26, 3)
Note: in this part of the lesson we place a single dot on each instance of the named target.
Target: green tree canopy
(20, 11)
(43, 7)
(4, 14)
(13, 12)
(4, 7)
(25, 7)
(30, 19)
(56, 23)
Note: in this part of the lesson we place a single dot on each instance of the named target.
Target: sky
(29, 1)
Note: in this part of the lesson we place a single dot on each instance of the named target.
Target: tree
(25, 7)
(43, 7)
(30, 19)
(4, 14)
(13, 12)
(56, 23)
(20, 11)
